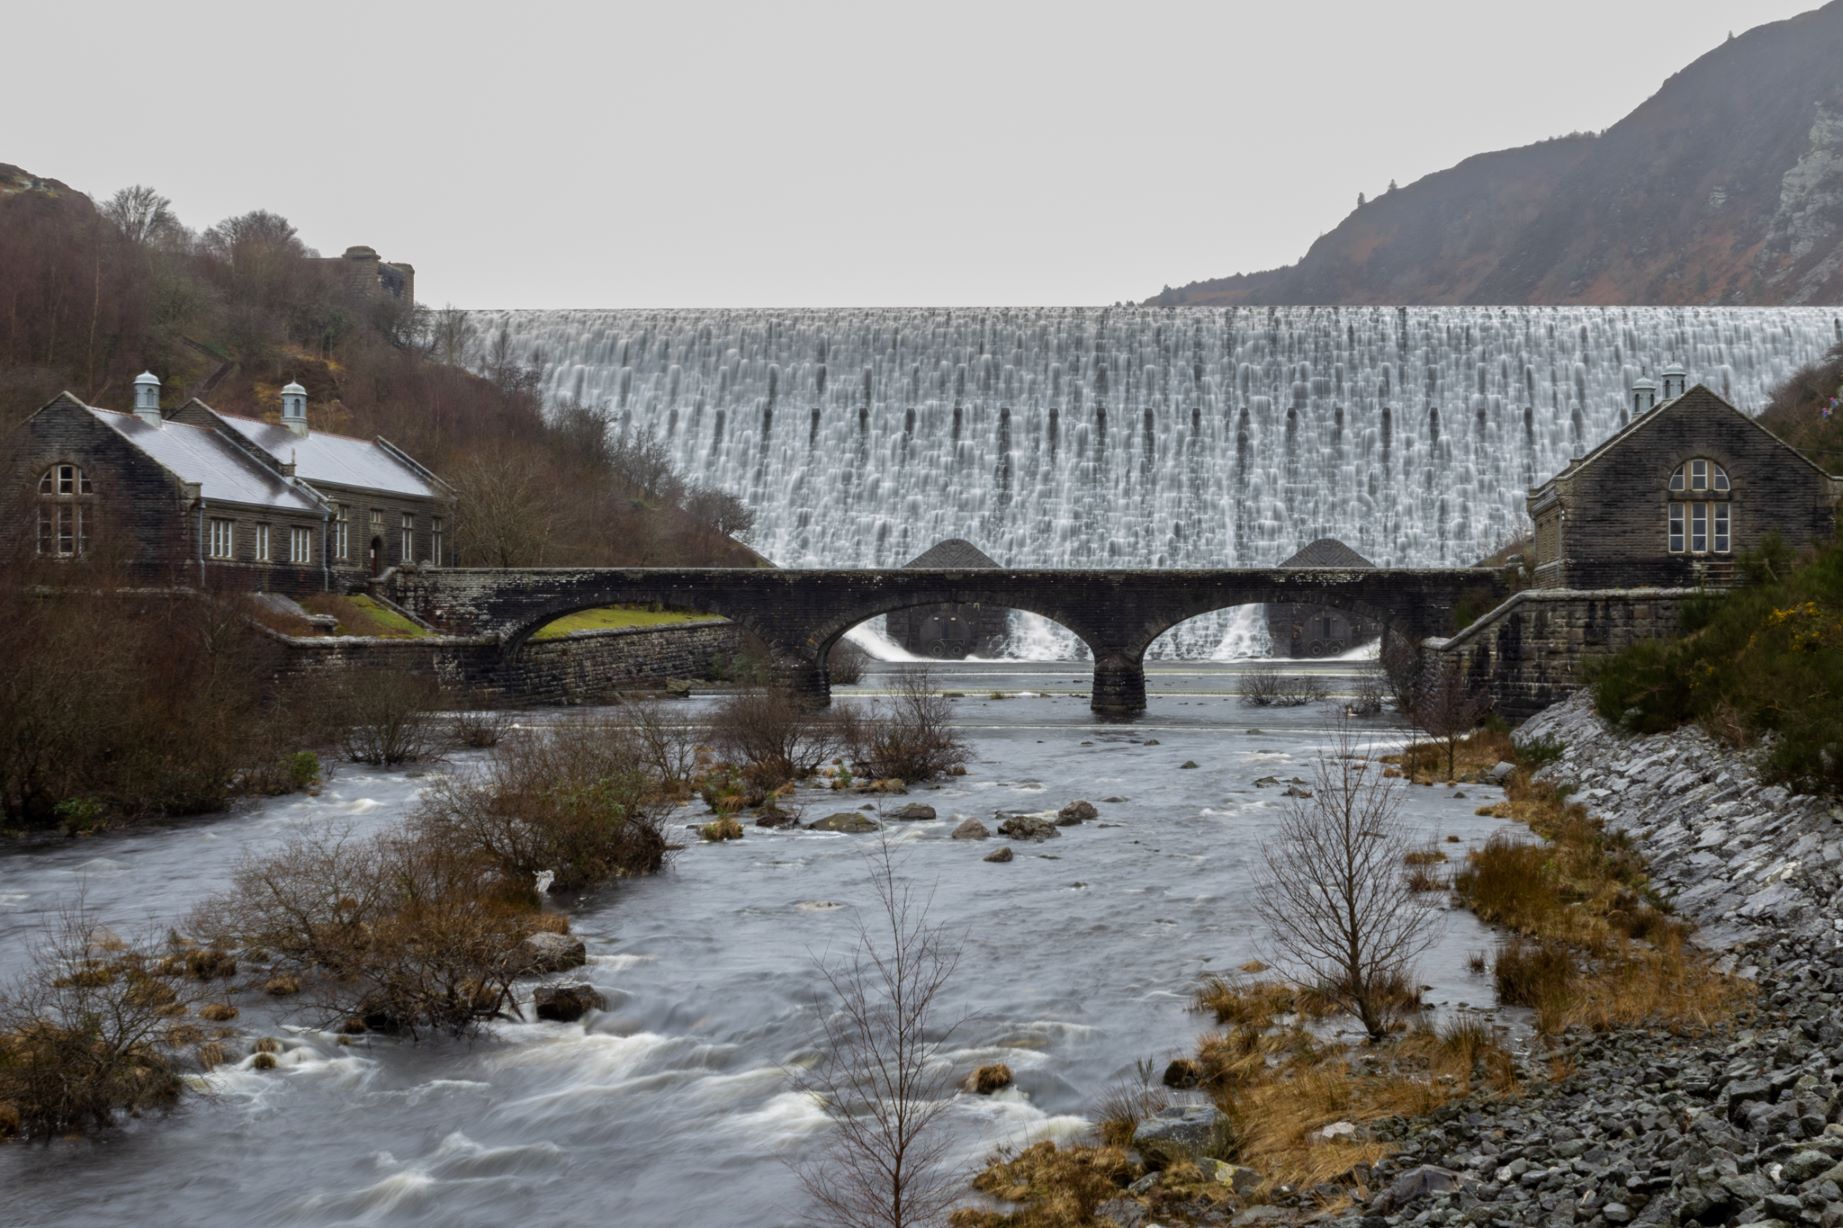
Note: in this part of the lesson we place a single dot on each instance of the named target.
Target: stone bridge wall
(587, 667)
(1532, 650)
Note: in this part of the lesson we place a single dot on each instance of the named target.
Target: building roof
(200, 455)
(955, 552)
(1327, 552)
(1700, 394)
(337, 460)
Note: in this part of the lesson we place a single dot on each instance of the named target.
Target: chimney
(1644, 397)
(294, 408)
(147, 398)
(1676, 382)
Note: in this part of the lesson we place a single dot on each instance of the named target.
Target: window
(409, 538)
(262, 543)
(223, 539)
(300, 545)
(64, 512)
(342, 532)
(435, 540)
(1701, 520)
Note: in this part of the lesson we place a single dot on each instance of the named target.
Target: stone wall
(587, 667)
(1531, 651)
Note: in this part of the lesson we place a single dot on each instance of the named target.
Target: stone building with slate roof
(951, 632)
(220, 501)
(1673, 497)
(1320, 631)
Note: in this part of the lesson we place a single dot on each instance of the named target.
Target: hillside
(91, 295)
(1725, 187)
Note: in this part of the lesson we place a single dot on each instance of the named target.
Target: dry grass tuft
(1057, 1187)
(217, 1012)
(281, 986)
(720, 829)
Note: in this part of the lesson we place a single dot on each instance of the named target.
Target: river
(675, 1106)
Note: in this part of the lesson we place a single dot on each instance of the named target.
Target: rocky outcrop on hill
(1743, 1126)
(1726, 186)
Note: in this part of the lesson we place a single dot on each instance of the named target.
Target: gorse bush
(1763, 661)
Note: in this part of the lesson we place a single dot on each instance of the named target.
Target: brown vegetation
(910, 737)
(85, 1034)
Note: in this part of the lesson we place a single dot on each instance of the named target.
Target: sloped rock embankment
(1744, 1126)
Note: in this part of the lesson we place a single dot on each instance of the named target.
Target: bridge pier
(805, 680)
(1119, 685)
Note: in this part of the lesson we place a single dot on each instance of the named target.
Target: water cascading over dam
(1139, 436)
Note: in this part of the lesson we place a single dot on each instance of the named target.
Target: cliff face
(1726, 186)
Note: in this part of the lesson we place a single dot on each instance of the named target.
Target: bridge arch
(1355, 605)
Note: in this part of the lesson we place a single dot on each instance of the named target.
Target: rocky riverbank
(1742, 1126)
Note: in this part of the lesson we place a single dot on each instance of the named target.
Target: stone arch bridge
(800, 613)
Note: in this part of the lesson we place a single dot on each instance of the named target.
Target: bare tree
(1335, 900)
(881, 1081)
(506, 515)
(141, 214)
(1449, 709)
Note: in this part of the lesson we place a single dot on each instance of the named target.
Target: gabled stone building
(1298, 630)
(222, 501)
(951, 632)
(1671, 498)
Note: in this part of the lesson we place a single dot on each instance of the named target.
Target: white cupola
(294, 407)
(147, 398)
(1676, 382)
(1644, 397)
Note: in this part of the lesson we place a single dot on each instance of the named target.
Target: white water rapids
(1152, 437)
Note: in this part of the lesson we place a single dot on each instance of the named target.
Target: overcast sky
(779, 154)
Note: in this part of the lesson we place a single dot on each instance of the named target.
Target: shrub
(480, 730)
(909, 738)
(666, 743)
(845, 663)
(1763, 661)
(774, 734)
(387, 717)
(397, 930)
(576, 800)
(84, 1035)
(1268, 686)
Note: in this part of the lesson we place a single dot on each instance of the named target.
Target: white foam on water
(873, 638)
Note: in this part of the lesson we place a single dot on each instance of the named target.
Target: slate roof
(336, 460)
(1328, 552)
(198, 454)
(955, 552)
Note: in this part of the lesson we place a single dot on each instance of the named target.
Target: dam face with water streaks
(1139, 437)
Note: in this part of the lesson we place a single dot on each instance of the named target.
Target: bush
(387, 717)
(910, 737)
(577, 800)
(1765, 661)
(84, 1035)
(395, 930)
(480, 730)
(1271, 687)
(773, 734)
(845, 663)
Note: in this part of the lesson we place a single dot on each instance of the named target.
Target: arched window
(64, 498)
(1701, 519)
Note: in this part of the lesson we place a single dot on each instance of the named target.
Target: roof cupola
(147, 398)
(294, 407)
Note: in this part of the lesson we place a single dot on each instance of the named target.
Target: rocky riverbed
(1743, 1126)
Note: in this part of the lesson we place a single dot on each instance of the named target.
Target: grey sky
(764, 154)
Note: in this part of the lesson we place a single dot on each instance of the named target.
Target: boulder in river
(554, 953)
(1076, 812)
(914, 812)
(567, 1003)
(1188, 763)
(972, 829)
(1001, 855)
(849, 821)
(1028, 827)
